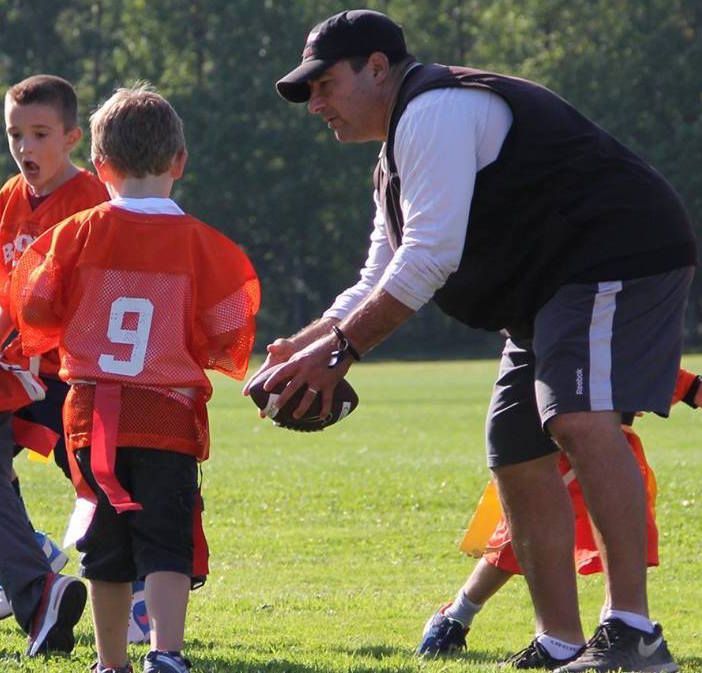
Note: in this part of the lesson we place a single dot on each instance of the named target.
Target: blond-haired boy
(140, 298)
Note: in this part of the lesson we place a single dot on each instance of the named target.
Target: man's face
(348, 102)
(39, 143)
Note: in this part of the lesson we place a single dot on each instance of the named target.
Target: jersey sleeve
(36, 288)
(230, 296)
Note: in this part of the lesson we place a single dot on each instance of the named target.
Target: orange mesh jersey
(20, 225)
(148, 301)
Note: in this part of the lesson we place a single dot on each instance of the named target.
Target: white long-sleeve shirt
(443, 138)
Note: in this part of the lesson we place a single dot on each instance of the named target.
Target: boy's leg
(166, 603)
(484, 582)
(23, 566)
(110, 605)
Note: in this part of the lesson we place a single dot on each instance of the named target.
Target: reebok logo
(648, 650)
(579, 381)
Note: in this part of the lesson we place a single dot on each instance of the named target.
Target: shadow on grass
(691, 663)
(382, 651)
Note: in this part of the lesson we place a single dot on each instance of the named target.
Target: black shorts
(610, 346)
(129, 546)
(48, 412)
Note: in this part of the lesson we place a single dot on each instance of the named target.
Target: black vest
(564, 202)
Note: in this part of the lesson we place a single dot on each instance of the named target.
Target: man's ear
(178, 164)
(379, 66)
(73, 137)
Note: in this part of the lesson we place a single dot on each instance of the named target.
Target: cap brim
(294, 86)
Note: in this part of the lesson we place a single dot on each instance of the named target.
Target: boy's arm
(36, 299)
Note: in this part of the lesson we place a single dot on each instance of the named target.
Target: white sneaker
(5, 606)
(56, 558)
(139, 630)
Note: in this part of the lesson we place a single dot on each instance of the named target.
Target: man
(513, 212)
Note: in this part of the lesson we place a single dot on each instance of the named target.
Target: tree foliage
(273, 178)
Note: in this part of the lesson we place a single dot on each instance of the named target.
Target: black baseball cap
(355, 32)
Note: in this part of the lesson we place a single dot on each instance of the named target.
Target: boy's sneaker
(60, 608)
(98, 668)
(5, 605)
(54, 555)
(165, 662)
(616, 646)
(56, 558)
(535, 655)
(442, 635)
(139, 630)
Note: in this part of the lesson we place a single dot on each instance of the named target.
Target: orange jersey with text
(20, 225)
(145, 301)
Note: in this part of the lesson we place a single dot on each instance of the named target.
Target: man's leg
(616, 499)
(538, 510)
(537, 506)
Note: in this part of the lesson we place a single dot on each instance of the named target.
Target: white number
(138, 338)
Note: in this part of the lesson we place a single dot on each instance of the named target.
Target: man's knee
(581, 431)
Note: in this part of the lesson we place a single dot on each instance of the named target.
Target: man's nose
(315, 103)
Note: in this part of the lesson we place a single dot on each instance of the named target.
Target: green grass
(329, 551)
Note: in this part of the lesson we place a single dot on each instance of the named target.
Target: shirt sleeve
(379, 255)
(443, 139)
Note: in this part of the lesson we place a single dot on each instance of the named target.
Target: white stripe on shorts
(601, 324)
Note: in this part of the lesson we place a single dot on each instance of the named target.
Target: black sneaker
(442, 635)
(616, 646)
(59, 610)
(535, 655)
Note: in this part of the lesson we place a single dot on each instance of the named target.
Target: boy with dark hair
(41, 119)
(121, 291)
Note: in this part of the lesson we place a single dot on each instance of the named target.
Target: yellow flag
(482, 524)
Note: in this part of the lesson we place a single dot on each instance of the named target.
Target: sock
(558, 649)
(462, 609)
(636, 621)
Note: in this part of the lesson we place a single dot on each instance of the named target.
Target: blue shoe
(442, 635)
(99, 668)
(56, 558)
(139, 629)
(165, 662)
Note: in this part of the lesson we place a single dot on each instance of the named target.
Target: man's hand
(310, 366)
(279, 351)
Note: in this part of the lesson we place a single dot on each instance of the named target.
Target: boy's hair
(137, 131)
(48, 90)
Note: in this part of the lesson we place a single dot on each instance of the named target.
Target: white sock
(462, 609)
(558, 649)
(636, 621)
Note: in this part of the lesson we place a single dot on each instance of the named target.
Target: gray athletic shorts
(609, 346)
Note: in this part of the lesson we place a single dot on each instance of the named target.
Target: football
(344, 401)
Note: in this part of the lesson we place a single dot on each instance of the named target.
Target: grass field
(330, 551)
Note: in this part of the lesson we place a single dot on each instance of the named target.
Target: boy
(445, 632)
(121, 290)
(41, 119)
